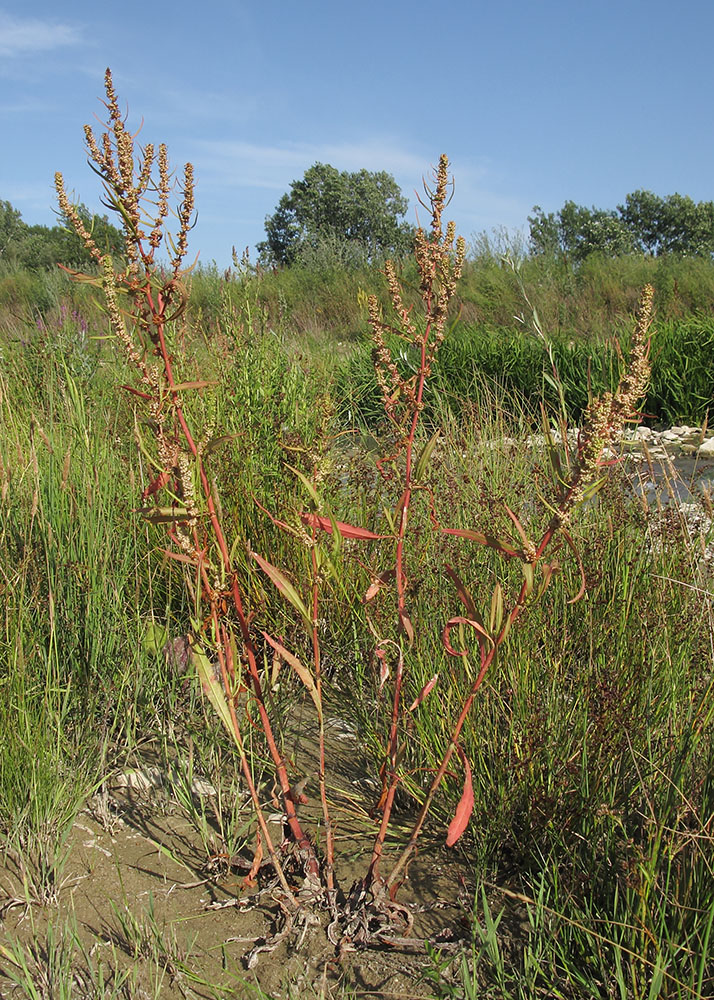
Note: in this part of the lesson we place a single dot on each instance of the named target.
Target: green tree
(577, 232)
(37, 247)
(645, 223)
(362, 211)
(12, 229)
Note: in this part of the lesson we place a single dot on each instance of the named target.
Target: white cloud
(24, 35)
(244, 164)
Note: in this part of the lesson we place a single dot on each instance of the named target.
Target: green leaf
(302, 671)
(213, 689)
(424, 458)
(284, 586)
(306, 483)
(529, 574)
(496, 609)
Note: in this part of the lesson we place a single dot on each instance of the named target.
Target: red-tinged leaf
(499, 544)
(458, 620)
(377, 583)
(302, 672)
(424, 692)
(284, 586)
(136, 392)
(383, 668)
(465, 806)
(346, 530)
(463, 592)
(179, 557)
(519, 527)
(583, 582)
(406, 624)
(158, 484)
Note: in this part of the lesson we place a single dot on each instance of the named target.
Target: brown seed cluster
(440, 258)
(606, 416)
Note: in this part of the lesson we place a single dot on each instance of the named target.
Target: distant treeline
(40, 247)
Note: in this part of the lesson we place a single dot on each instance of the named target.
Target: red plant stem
(303, 842)
(316, 656)
(486, 661)
(225, 655)
(373, 870)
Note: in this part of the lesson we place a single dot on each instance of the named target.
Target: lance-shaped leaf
(459, 620)
(496, 609)
(464, 593)
(201, 384)
(284, 586)
(302, 671)
(306, 483)
(381, 655)
(135, 392)
(548, 569)
(329, 525)
(424, 458)
(407, 626)
(583, 581)
(465, 806)
(429, 686)
(499, 544)
(529, 576)
(164, 515)
(213, 688)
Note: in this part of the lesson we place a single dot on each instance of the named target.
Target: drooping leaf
(212, 688)
(499, 544)
(465, 806)
(407, 626)
(201, 384)
(429, 686)
(306, 483)
(328, 524)
(464, 593)
(302, 671)
(383, 667)
(284, 586)
(459, 620)
(529, 576)
(377, 583)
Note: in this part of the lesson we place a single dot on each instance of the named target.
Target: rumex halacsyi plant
(144, 299)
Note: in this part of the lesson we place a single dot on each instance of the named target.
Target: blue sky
(535, 101)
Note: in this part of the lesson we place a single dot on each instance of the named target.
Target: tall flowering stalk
(138, 187)
(603, 425)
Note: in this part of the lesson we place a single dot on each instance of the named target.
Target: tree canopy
(645, 223)
(37, 247)
(361, 211)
